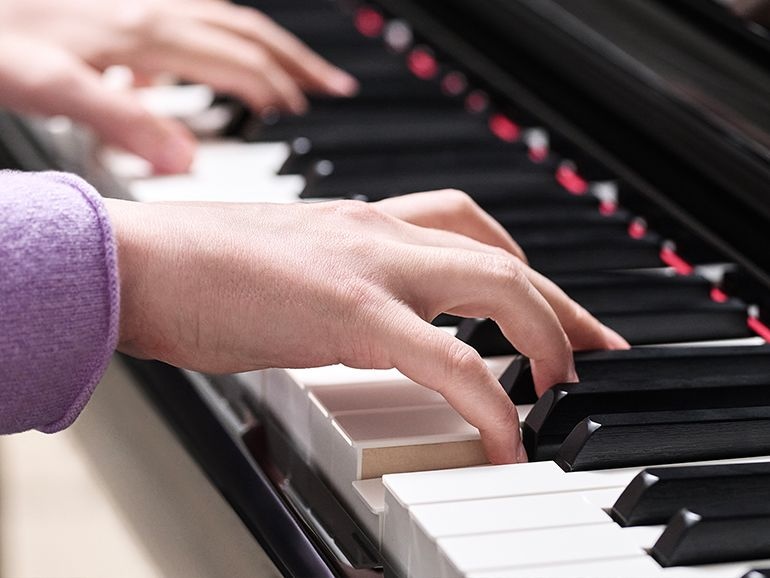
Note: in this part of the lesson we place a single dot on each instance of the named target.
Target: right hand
(226, 288)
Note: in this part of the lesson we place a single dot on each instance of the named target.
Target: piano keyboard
(419, 124)
(536, 520)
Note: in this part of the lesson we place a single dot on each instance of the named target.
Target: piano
(626, 146)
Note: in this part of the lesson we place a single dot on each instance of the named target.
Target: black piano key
(526, 218)
(364, 116)
(380, 136)
(369, 63)
(321, 29)
(692, 538)
(660, 362)
(497, 181)
(656, 494)
(479, 158)
(704, 322)
(446, 320)
(552, 257)
(648, 438)
(575, 233)
(612, 292)
(563, 406)
(304, 150)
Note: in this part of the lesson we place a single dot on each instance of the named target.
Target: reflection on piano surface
(626, 181)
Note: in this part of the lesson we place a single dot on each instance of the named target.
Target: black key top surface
(652, 362)
(693, 538)
(563, 406)
(656, 494)
(637, 439)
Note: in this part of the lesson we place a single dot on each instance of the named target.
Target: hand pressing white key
(52, 51)
(230, 288)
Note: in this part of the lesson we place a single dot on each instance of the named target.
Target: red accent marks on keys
(718, 296)
(476, 102)
(759, 328)
(670, 257)
(422, 63)
(608, 208)
(568, 178)
(538, 154)
(637, 228)
(454, 83)
(504, 128)
(369, 21)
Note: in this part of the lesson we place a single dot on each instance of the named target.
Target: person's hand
(229, 288)
(235, 50)
(37, 77)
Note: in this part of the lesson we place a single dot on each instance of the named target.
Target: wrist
(130, 243)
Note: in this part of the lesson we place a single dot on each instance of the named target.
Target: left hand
(236, 50)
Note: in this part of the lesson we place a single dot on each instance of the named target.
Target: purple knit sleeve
(59, 297)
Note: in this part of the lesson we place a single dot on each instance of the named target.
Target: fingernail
(521, 454)
(614, 340)
(342, 84)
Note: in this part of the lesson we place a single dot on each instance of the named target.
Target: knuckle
(464, 362)
(506, 269)
(257, 59)
(359, 211)
(459, 201)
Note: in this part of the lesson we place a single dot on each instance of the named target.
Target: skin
(228, 288)
(54, 50)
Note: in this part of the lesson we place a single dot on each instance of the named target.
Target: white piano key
(461, 555)
(625, 567)
(174, 100)
(368, 499)
(328, 402)
(434, 521)
(339, 374)
(405, 491)
(287, 394)
(218, 163)
(403, 439)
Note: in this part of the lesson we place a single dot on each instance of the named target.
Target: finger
(584, 330)
(61, 84)
(228, 63)
(435, 359)
(472, 284)
(451, 210)
(312, 71)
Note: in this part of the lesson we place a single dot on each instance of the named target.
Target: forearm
(59, 298)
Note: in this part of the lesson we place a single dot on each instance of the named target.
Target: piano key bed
(383, 471)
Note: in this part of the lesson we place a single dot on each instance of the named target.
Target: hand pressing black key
(700, 322)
